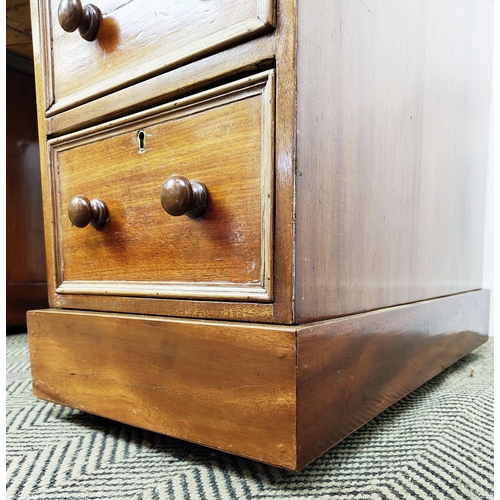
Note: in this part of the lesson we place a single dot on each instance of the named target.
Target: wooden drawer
(136, 40)
(223, 138)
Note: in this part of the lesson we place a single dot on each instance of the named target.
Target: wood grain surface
(393, 115)
(137, 40)
(282, 395)
(225, 140)
(285, 164)
(351, 369)
(277, 48)
(208, 72)
(229, 386)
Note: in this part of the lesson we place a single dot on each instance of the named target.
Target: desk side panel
(393, 115)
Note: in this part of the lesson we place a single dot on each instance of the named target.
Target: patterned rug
(436, 443)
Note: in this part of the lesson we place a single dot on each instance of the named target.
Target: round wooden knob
(81, 212)
(72, 15)
(180, 196)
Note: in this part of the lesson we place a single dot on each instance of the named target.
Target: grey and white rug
(436, 443)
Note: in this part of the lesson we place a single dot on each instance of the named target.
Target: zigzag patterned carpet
(436, 443)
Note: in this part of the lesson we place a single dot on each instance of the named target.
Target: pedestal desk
(263, 218)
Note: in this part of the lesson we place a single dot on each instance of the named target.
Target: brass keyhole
(141, 141)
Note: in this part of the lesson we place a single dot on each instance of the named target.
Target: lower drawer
(223, 138)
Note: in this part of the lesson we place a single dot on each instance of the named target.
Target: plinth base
(282, 395)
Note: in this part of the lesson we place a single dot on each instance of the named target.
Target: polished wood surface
(351, 369)
(216, 68)
(226, 253)
(285, 147)
(282, 395)
(226, 385)
(252, 57)
(230, 310)
(25, 254)
(392, 150)
(160, 35)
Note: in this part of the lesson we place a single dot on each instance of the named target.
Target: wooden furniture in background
(18, 30)
(25, 256)
(26, 286)
(334, 263)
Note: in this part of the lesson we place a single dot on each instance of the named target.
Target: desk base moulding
(282, 395)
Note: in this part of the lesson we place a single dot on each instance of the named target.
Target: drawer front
(138, 39)
(222, 138)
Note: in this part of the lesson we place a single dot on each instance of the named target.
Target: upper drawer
(222, 138)
(138, 39)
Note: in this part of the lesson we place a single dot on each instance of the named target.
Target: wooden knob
(72, 15)
(81, 212)
(180, 196)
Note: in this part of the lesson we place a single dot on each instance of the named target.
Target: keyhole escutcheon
(141, 141)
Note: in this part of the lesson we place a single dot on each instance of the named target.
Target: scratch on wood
(245, 386)
(365, 6)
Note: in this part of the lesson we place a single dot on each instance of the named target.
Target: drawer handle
(180, 196)
(72, 15)
(81, 212)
